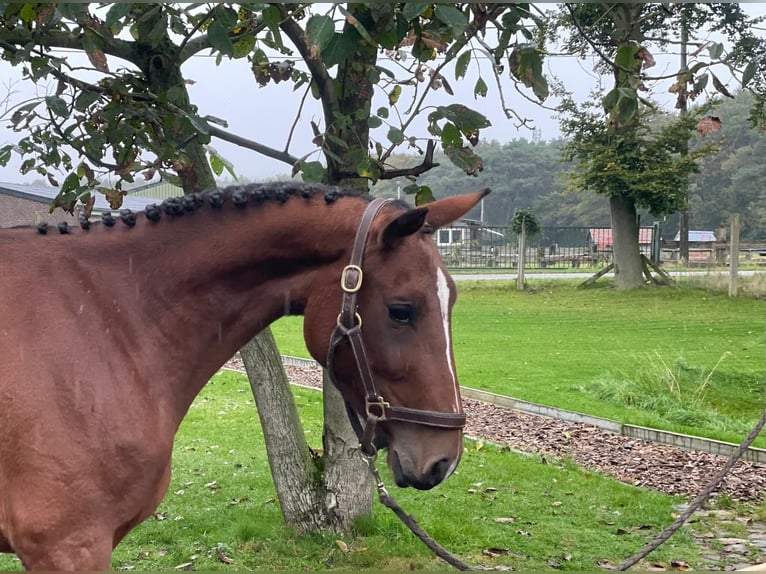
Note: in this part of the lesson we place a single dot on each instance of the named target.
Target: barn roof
(602, 236)
(698, 236)
(46, 195)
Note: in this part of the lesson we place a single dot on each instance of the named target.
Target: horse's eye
(401, 313)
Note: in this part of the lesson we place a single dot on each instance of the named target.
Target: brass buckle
(355, 285)
(379, 403)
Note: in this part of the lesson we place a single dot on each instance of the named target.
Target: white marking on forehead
(442, 289)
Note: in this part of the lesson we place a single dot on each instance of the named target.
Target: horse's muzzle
(433, 474)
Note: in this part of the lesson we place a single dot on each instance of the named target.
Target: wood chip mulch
(641, 463)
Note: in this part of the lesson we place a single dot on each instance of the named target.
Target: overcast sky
(265, 114)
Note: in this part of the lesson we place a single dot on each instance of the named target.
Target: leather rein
(349, 327)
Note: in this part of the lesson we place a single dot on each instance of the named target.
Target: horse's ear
(445, 211)
(406, 224)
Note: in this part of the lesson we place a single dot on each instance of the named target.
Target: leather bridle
(349, 327)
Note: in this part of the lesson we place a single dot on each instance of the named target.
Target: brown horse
(109, 332)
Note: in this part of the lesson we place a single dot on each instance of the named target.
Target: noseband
(349, 326)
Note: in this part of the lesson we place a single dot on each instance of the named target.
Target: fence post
(734, 256)
(522, 257)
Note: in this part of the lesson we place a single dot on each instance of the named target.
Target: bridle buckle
(351, 278)
(376, 403)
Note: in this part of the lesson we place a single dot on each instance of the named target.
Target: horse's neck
(190, 291)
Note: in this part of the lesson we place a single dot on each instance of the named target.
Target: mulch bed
(641, 463)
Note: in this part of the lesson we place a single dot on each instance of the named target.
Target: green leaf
(216, 162)
(718, 85)
(319, 30)
(198, 124)
(394, 94)
(382, 112)
(395, 136)
(28, 12)
(413, 10)
(526, 65)
(626, 56)
(339, 49)
(715, 50)
(610, 99)
(117, 12)
(424, 195)
(451, 136)
(57, 105)
(453, 18)
(5, 154)
(626, 109)
(374, 122)
(85, 100)
(351, 19)
(226, 15)
(272, 17)
(218, 36)
(701, 83)
(465, 159)
(464, 117)
(480, 89)
(749, 72)
(461, 66)
(311, 171)
(243, 46)
(159, 31)
(369, 169)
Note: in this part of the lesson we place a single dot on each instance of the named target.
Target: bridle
(349, 327)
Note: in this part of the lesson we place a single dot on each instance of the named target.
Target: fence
(495, 247)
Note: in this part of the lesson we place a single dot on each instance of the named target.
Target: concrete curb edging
(678, 440)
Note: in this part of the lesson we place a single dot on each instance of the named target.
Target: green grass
(552, 343)
(221, 493)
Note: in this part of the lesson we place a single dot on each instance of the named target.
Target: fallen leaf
(342, 545)
(505, 519)
(523, 533)
(493, 552)
(680, 565)
(185, 566)
(221, 556)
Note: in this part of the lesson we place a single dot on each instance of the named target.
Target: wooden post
(522, 257)
(734, 255)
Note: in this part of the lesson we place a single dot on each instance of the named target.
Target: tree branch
(18, 36)
(448, 57)
(318, 70)
(213, 130)
(282, 156)
(426, 165)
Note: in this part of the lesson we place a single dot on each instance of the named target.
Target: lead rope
(409, 521)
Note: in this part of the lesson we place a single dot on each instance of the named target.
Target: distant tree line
(530, 175)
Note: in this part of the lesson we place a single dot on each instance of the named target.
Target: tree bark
(296, 475)
(628, 273)
(347, 478)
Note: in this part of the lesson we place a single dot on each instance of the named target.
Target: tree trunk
(347, 478)
(293, 470)
(628, 273)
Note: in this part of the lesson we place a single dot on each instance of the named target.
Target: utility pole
(683, 224)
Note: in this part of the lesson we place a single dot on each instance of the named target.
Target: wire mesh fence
(495, 247)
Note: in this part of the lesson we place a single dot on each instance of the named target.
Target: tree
(139, 119)
(617, 158)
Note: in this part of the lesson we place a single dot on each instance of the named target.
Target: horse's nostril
(439, 470)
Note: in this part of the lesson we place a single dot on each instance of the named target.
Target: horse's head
(390, 353)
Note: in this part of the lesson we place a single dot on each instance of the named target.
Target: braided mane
(240, 195)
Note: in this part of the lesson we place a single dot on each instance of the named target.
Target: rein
(349, 327)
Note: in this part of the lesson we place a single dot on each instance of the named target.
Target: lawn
(221, 507)
(559, 346)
